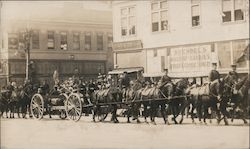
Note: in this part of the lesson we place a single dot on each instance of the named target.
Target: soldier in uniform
(125, 82)
(233, 73)
(213, 74)
(165, 79)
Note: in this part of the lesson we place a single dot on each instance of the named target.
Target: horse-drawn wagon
(51, 103)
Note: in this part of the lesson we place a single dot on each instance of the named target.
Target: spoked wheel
(73, 107)
(37, 106)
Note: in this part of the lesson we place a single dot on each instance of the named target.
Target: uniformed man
(233, 73)
(125, 80)
(213, 74)
(165, 79)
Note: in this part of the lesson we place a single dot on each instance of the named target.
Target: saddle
(202, 90)
(103, 93)
(149, 91)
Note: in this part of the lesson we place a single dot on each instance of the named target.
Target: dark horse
(104, 102)
(207, 96)
(5, 95)
(132, 101)
(179, 104)
(25, 96)
(155, 97)
(240, 98)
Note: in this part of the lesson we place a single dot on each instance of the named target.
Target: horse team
(224, 97)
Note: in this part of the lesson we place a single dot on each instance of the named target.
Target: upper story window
(76, 41)
(128, 21)
(233, 10)
(159, 15)
(99, 41)
(64, 44)
(51, 40)
(35, 39)
(110, 40)
(195, 12)
(87, 43)
(12, 41)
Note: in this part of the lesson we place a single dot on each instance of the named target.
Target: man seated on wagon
(125, 82)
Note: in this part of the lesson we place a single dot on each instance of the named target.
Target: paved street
(65, 134)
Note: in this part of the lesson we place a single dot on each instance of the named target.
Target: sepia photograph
(131, 74)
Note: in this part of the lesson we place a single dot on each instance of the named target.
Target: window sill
(196, 27)
(234, 22)
(160, 32)
(128, 36)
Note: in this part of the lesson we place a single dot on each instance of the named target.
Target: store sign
(190, 59)
(127, 45)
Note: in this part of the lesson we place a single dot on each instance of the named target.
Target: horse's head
(181, 86)
(168, 89)
(229, 83)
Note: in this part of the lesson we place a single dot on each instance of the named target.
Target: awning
(128, 70)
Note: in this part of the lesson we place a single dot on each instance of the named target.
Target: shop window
(128, 21)
(63, 44)
(76, 41)
(159, 18)
(35, 39)
(195, 10)
(233, 10)
(87, 45)
(12, 41)
(51, 40)
(99, 41)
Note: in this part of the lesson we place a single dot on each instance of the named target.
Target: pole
(28, 55)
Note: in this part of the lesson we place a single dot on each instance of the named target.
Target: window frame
(232, 10)
(78, 42)
(67, 43)
(127, 16)
(51, 41)
(38, 40)
(98, 42)
(159, 10)
(199, 6)
(85, 41)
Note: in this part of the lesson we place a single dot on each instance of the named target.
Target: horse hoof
(128, 122)
(138, 121)
(181, 121)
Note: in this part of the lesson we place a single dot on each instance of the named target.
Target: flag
(244, 55)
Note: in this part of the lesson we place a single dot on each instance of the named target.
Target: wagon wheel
(37, 106)
(73, 107)
(62, 113)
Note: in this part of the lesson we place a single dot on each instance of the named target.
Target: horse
(240, 98)
(133, 104)
(104, 97)
(179, 104)
(4, 99)
(207, 96)
(159, 91)
(25, 95)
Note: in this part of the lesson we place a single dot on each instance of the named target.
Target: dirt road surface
(65, 134)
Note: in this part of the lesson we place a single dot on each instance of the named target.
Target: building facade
(183, 36)
(69, 37)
